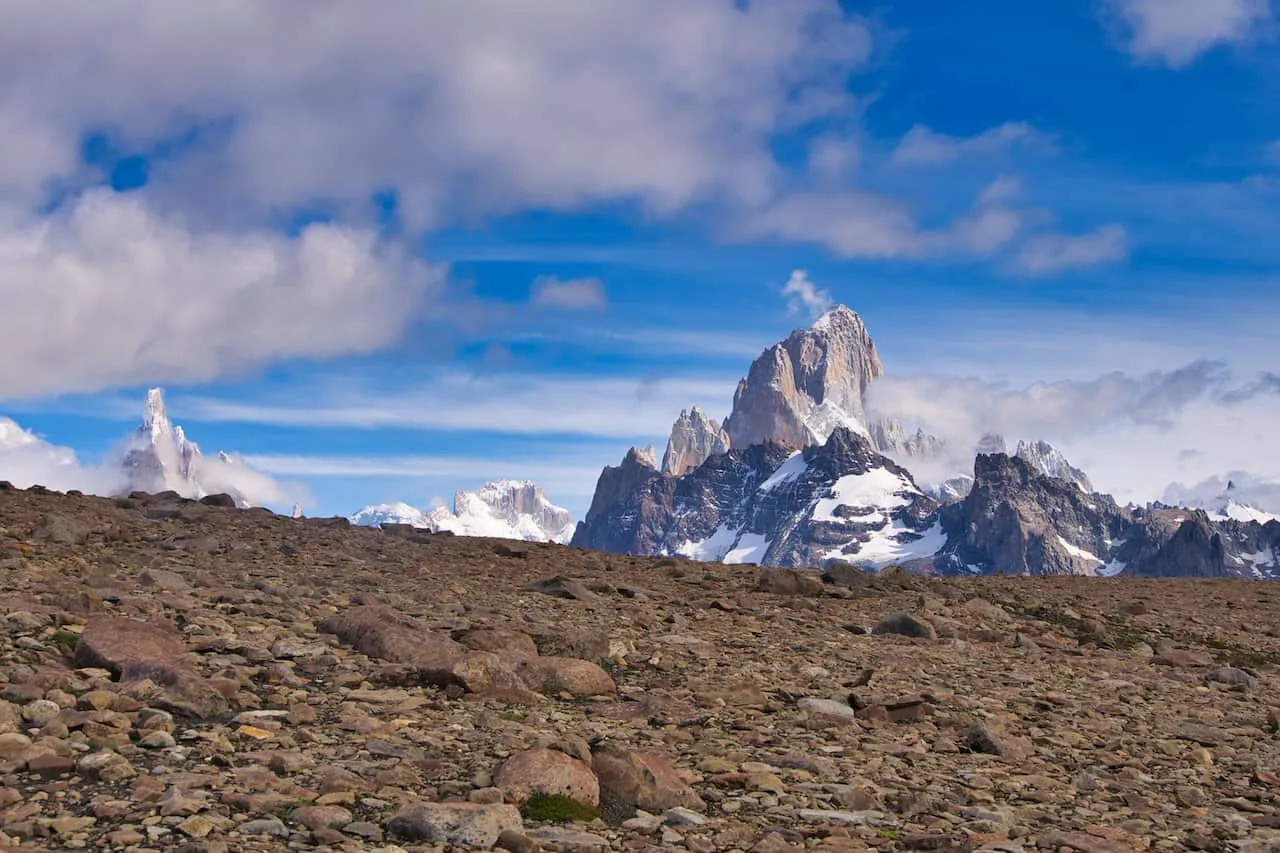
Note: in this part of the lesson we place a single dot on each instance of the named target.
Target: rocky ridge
(184, 676)
(695, 438)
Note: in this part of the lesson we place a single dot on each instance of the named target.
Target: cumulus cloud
(27, 460)
(1046, 254)
(109, 292)
(483, 106)
(805, 296)
(924, 147)
(579, 294)
(1176, 32)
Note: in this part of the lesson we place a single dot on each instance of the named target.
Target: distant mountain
(1239, 496)
(507, 509)
(770, 505)
(806, 481)
(694, 438)
(396, 513)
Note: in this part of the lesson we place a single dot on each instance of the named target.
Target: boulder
(546, 771)
(130, 649)
(639, 780)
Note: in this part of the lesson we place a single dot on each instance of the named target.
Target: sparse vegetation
(556, 808)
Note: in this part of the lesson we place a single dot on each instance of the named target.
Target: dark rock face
(768, 505)
(1017, 520)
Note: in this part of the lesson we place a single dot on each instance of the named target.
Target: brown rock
(546, 771)
(789, 582)
(551, 675)
(498, 640)
(381, 632)
(639, 780)
(315, 817)
(132, 650)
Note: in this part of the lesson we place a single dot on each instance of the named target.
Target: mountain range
(800, 476)
(507, 509)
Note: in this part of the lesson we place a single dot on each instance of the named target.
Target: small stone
(40, 712)
(156, 740)
(680, 816)
(827, 710)
(516, 842)
(196, 826)
(265, 826)
(314, 817)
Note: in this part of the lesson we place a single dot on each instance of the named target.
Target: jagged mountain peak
(694, 438)
(803, 388)
(1049, 460)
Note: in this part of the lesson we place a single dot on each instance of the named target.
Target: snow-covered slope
(394, 513)
(507, 509)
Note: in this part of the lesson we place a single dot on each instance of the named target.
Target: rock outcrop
(800, 390)
(694, 439)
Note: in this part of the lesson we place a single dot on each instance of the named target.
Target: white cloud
(1176, 32)
(923, 147)
(804, 296)
(581, 294)
(1129, 432)
(27, 460)
(109, 292)
(1046, 254)
(462, 108)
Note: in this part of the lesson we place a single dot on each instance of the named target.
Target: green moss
(512, 716)
(555, 807)
(66, 640)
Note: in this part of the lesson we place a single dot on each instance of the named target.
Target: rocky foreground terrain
(188, 676)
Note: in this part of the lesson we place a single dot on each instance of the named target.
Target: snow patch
(879, 488)
(750, 548)
(794, 467)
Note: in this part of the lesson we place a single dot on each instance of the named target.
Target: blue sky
(386, 255)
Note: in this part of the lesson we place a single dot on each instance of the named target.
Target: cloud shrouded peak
(1176, 32)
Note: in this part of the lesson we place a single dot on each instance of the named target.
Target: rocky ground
(182, 676)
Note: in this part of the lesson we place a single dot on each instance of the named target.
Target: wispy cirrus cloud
(1046, 254)
(579, 294)
(924, 147)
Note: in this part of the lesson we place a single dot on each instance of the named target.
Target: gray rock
(906, 625)
(463, 824)
(265, 826)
